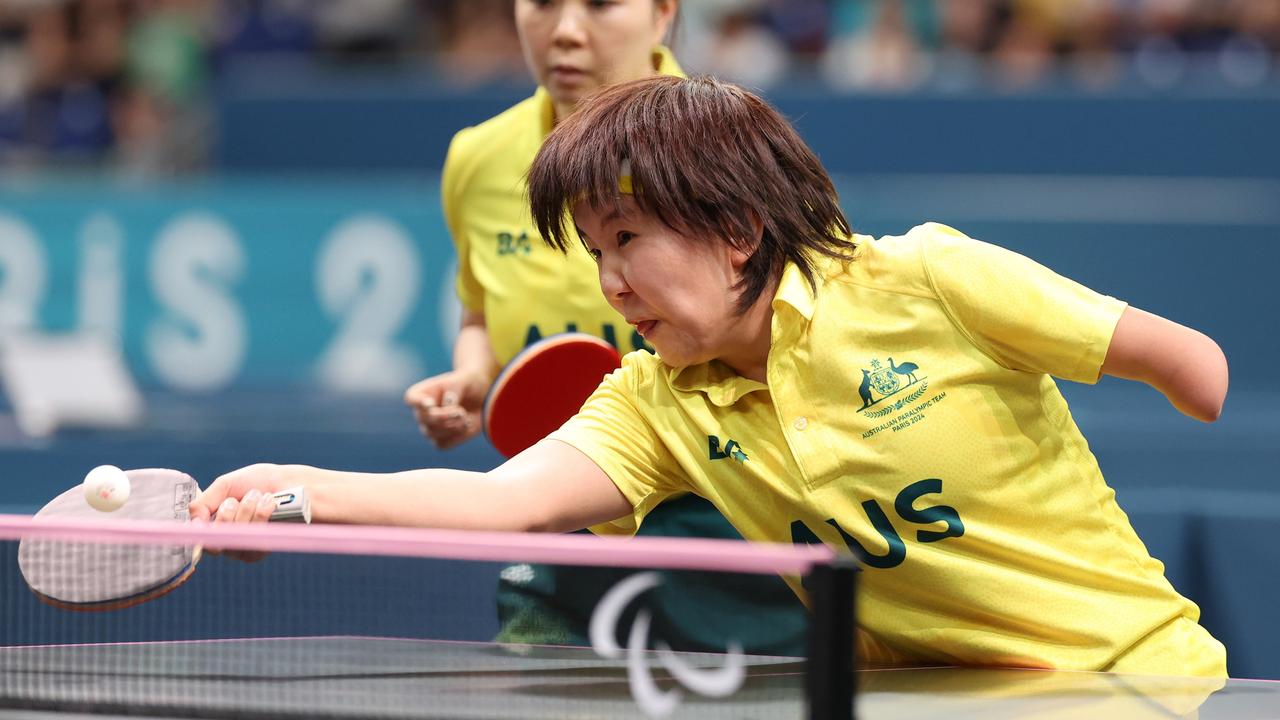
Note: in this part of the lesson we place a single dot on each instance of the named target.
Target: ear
(664, 14)
(739, 255)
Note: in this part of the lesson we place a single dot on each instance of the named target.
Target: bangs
(629, 140)
(710, 160)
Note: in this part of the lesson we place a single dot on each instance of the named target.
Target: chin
(676, 358)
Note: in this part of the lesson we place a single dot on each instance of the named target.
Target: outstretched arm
(1185, 365)
(551, 487)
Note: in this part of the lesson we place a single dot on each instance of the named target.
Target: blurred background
(240, 202)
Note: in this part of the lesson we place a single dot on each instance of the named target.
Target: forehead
(585, 214)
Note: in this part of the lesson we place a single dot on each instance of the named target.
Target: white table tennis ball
(106, 488)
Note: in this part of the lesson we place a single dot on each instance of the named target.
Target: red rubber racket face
(108, 576)
(544, 386)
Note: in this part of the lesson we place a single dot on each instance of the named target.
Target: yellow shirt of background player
(525, 289)
(910, 414)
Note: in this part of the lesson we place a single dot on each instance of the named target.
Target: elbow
(533, 514)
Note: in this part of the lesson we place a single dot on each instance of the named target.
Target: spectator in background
(475, 43)
(742, 49)
(163, 121)
(880, 51)
(83, 82)
(364, 30)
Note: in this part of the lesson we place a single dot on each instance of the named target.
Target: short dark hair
(708, 158)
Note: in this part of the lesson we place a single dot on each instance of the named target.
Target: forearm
(1196, 383)
(1185, 365)
(472, 351)
(422, 498)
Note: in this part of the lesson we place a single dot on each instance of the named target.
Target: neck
(560, 112)
(751, 359)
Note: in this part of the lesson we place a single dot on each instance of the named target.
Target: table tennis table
(365, 677)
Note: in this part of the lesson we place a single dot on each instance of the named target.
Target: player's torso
(964, 487)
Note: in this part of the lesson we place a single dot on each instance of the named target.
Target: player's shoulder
(891, 263)
(493, 139)
(923, 239)
(905, 262)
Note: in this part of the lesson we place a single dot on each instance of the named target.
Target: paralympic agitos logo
(654, 701)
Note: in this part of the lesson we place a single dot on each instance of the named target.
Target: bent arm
(472, 350)
(551, 487)
(1185, 365)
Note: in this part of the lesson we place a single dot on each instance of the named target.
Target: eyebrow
(612, 215)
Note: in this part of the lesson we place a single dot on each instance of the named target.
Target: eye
(594, 253)
(597, 4)
(625, 237)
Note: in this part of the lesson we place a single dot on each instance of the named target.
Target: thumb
(204, 506)
(426, 393)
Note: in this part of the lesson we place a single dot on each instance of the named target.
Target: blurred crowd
(131, 82)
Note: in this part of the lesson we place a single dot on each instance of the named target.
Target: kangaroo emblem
(907, 368)
(865, 390)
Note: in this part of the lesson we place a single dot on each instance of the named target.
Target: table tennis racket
(544, 386)
(109, 576)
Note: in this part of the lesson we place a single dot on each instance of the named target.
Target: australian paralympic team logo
(891, 386)
(884, 383)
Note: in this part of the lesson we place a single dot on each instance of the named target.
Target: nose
(613, 282)
(570, 30)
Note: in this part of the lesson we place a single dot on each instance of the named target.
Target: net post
(829, 669)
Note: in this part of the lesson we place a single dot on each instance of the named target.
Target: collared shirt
(525, 289)
(911, 416)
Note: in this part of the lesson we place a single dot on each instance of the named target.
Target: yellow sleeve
(612, 431)
(453, 183)
(1020, 313)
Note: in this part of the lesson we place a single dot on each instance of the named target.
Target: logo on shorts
(653, 700)
(882, 382)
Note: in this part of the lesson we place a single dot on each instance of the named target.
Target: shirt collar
(721, 384)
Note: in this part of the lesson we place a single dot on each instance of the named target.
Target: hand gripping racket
(108, 576)
(544, 386)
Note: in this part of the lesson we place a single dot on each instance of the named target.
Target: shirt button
(802, 422)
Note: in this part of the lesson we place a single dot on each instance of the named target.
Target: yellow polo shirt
(525, 289)
(911, 416)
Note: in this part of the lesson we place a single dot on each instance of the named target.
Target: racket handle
(292, 505)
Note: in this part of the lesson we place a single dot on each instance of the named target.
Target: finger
(422, 417)
(411, 394)
(198, 511)
(207, 504)
(454, 416)
(248, 506)
(226, 511)
(266, 505)
(449, 398)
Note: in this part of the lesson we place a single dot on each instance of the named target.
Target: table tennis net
(348, 622)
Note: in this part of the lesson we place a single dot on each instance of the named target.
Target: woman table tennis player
(895, 397)
(515, 289)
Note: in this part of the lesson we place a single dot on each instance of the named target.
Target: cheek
(626, 44)
(533, 36)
